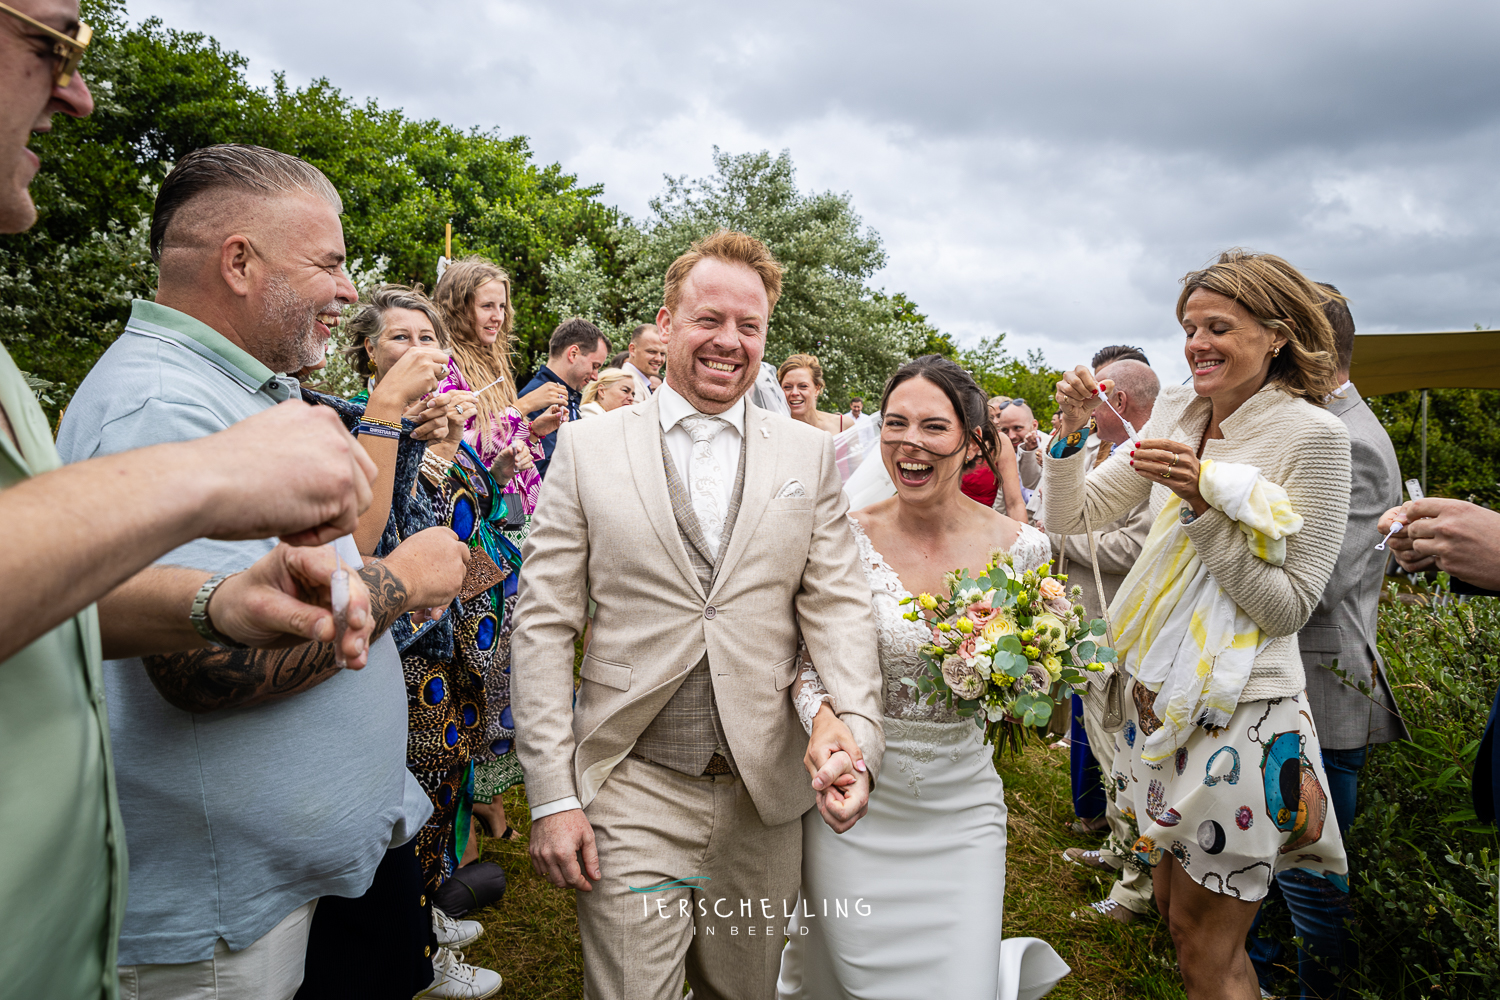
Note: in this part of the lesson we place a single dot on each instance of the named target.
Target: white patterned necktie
(705, 477)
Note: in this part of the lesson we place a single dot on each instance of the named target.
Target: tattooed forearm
(205, 680)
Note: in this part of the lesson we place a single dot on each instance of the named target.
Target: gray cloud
(1050, 170)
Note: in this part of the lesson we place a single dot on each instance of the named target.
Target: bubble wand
(1415, 489)
(1130, 431)
(338, 591)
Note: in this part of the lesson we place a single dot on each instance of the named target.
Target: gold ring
(1167, 474)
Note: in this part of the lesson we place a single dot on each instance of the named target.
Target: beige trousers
(721, 884)
(1132, 889)
(270, 969)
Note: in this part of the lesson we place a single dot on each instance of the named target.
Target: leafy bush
(1424, 869)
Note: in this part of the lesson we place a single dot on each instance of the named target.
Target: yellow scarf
(1178, 633)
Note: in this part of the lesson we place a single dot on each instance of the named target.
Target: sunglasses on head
(1018, 401)
(68, 49)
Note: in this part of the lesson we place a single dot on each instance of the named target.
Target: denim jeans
(1319, 909)
(1088, 783)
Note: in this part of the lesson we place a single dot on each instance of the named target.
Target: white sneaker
(452, 978)
(454, 933)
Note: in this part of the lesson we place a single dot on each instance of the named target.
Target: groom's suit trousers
(726, 884)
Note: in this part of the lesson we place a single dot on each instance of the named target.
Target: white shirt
(680, 443)
(726, 447)
(642, 383)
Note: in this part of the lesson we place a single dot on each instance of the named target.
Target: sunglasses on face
(68, 49)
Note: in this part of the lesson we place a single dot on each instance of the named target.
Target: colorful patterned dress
(457, 680)
(500, 769)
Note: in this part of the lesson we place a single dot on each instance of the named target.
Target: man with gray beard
(245, 804)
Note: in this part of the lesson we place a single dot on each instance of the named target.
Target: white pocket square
(792, 488)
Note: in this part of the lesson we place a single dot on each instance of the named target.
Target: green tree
(1000, 374)
(827, 308)
(66, 286)
(1463, 440)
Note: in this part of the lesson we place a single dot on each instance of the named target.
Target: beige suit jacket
(604, 529)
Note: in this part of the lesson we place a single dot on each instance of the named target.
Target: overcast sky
(1045, 169)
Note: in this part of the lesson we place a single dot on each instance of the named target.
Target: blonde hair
(368, 325)
(607, 378)
(480, 363)
(808, 361)
(1280, 298)
(733, 248)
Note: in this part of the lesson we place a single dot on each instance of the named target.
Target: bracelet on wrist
(394, 424)
(377, 430)
(198, 615)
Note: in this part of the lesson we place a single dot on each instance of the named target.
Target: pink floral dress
(497, 437)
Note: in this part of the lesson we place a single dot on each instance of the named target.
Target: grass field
(532, 937)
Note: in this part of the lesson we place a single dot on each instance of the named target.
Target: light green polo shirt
(62, 854)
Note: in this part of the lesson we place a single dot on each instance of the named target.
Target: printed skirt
(1235, 805)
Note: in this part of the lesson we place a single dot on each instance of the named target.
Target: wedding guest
(1118, 352)
(655, 382)
(1003, 495)
(1354, 708)
(618, 359)
(1218, 759)
(227, 859)
(613, 389)
(396, 342)
(458, 695)
(1092, 751)
(801, 380)
(644, 357)
(856, 409)
(575, 354)
(473, 296)
(288, 471)
(1019, 423)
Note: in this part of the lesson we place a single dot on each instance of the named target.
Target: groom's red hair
(731, 247)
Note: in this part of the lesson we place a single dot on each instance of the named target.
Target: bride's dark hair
(963, 392)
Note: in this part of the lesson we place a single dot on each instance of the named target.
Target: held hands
(284, 600)
(558, 843)
(1173, 465)
(1459, 538)
(1078, 396)
(839, 775)
(292, 471)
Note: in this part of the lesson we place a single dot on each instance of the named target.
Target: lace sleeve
(808, 692)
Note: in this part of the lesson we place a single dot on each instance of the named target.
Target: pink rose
(966, 648)
(980, 613)
(1051, 590)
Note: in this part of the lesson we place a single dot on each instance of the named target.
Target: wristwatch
(199, 614)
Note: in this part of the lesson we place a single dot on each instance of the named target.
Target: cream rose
(1051, 589)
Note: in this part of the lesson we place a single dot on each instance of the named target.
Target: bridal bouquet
(1006, 648)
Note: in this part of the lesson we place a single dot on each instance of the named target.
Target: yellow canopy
(1397, 362)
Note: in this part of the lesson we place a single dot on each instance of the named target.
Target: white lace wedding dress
(909, 903)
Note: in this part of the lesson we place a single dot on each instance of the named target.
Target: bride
(909, 902)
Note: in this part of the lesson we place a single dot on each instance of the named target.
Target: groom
(707, 531)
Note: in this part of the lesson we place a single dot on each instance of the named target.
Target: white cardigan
(1299, 446)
